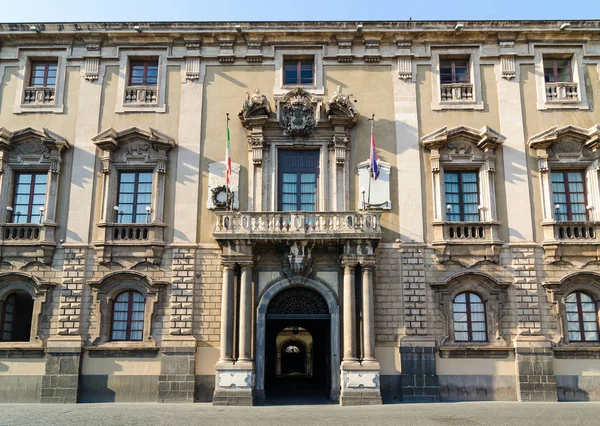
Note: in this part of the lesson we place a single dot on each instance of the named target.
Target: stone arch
(491, 291)
(11, 282)
(107, 288)
(584, 281)
(261, 317)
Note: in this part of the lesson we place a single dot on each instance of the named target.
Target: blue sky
(287, 10)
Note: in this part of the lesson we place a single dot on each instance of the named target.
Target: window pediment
(566, 144)
(462, 140)
(30, 146)
(134, 147)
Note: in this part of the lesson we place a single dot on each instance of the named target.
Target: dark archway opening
(298, 348)
(15, 317)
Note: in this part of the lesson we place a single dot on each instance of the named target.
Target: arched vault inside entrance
(298, 345)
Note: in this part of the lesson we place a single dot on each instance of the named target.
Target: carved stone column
(349, 312)
(235, 378)
(360, 380)
(227, 314)
(368, 314)
(245, 330)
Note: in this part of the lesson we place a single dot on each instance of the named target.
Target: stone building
(468, 269)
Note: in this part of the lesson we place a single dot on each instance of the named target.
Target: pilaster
(516, 178)
(419, 373)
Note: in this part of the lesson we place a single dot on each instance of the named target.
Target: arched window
(128, 316)
(15, 322)
(469, 318)
(582, 318)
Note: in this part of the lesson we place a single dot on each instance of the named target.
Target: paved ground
(453, 414)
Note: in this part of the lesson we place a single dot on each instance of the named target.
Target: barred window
(128, 316)
(469, 318)
(582, 318)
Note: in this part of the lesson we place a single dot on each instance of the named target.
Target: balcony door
(297, 180)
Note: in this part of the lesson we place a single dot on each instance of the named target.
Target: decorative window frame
(125, 58)
(557, 292)
(103, 294)
(30, 150)
(493, 293)
(568, 148)
(38, 290)
(25, 59)
(281, 52)
(132, 149)
(465, 148)
(474, 69)
(575, 53)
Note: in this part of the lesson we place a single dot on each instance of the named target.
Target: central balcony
(269, 226)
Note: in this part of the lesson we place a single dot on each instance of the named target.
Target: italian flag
(228, 156)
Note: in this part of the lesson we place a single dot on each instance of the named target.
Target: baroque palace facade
(468, 270)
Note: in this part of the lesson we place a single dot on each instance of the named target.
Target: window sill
(22, 350)
(470, 350)
(589, 351)
(123, 349)
(566, 104)
(33, 108)
(460, 105)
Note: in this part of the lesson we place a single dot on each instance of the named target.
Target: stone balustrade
(574, 231)
(305, 225)
(39, 95)
(116, 240)
(457, 92)
(142, 95)
(467, 231)
(562, 91)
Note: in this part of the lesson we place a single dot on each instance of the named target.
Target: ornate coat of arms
(298, 113)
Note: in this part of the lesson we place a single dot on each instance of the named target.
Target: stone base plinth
(234, 383)
(419, 375)
(536, 380)
(176, 382)
(360, 383)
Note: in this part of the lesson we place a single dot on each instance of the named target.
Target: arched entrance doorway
(297, 344)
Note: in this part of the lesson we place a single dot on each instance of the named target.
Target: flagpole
(227, 160)
(372, 120)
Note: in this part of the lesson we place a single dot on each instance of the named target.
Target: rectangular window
(29, 197)
(454, 71)
(299, 71)
(143, 73)
(568, 196)
(298, 173)
(462, 196)
(135, 197)
(558, 71)
(43, 74)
